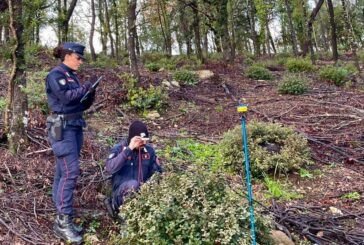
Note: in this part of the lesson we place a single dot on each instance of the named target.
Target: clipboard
(94, 86)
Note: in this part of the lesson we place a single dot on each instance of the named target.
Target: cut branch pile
(320, 226)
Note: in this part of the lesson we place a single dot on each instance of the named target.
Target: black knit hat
(137, 128)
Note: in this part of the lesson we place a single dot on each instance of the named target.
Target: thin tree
(16, 109)
(253, 32)
(108, 28)
(91, 41)
(308, 45)
(64, 19)
(291, 28)
(196, 29)
(131, 39)
(117, 29)
(103, 33)
(350, 35)
(330, 7)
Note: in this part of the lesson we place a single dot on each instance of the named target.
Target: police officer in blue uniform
(131, 163)
(65, 132)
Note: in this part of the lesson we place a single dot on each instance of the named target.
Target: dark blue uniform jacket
(64, 92)
(123, 164)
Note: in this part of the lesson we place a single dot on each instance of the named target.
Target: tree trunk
(165, 27)
(196, 29)
(66, 19)
(103, 34)
(108, 26)
(91, 40)
(117, 31)
(304, 13)
(131, 40)
(291, 28)
(335, 54)
(233, 38)
(224, 31)
(253, 33)
(16, 111)
(137, 48)
(271, 41)
(185, 28)
(350, 35)
(206, 44)
(267, 38)
(308, 44)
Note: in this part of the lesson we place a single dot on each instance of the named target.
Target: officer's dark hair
(59, 52)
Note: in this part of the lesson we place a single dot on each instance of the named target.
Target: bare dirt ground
(330, 117)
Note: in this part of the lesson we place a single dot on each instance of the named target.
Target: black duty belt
(70, 116)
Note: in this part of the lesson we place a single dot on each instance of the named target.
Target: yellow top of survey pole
(242, 108)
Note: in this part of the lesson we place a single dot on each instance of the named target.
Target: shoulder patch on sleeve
(62, 81)
(112, 155)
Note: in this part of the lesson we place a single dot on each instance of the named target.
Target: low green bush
(187, 63)
(186, 77)
(31, 54)
(154, 97)
(35, 91)
(153, 67)
(189, 151)
(259, 73)
(153, 57)
(338, 75)
(299, 65)
(293, 84)
(104, 61)
(278, 190)
(5, 52)
(193, 207)
(272, 148)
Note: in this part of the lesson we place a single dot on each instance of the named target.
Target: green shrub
(187, 63)
(31, 55)
(189, 208)
(338, 75)
(5, 52)
(153, 57)
(191, 151)
(185, 77)
(215, 56)
(141, 98)
(153, 66)
(293, 84)
(248, 61)
(168, 64)
(299, 65)
(2, 104)
(259, 73)
(278, 191)
(282, 58)
(272, 147)
(35, 91)
(104, 61)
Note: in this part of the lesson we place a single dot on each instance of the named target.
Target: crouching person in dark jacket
(131, 163)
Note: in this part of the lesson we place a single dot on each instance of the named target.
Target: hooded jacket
(124, 164)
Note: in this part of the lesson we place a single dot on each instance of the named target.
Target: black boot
(109, 207)
(64, 229)
(77, 228)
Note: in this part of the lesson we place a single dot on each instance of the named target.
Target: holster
(55, 126)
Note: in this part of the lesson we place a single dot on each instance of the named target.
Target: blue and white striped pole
(243, 108)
